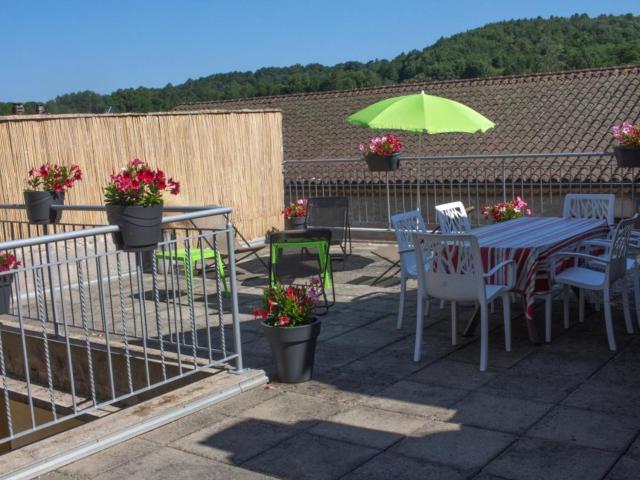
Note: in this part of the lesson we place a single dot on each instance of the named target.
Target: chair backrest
(588, 205)
(404, 225)
(619, 247)
(453, 269)
(329, 212)
(452, 218)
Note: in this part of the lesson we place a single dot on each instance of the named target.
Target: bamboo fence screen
(231, 158)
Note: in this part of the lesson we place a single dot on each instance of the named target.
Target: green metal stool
(195, 255)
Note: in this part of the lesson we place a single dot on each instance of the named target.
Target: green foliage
(506, 48)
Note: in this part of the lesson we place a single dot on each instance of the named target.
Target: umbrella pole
(388, 203)
(418, 174)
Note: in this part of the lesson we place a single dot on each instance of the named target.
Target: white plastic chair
(454, 272)
(404, 225)
(579, 205)
(596, 273)
(452, 218)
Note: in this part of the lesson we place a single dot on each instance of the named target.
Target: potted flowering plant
(134, 203)
(296, 213)
(7, 262)
(503, 211)
(628, 149)
(46, 187)
(382, 154)
(291, 329)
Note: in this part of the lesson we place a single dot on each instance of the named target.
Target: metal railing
(89, 326)
(542, 179)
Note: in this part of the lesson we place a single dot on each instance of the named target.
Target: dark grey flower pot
(5, 293)
(296, 223)
(140, 227)
(293, 350)
(378, 163)
(627, 156)
(38, 205)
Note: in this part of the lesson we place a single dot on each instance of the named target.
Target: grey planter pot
(293, 350)
(296, 223)
(5, 293)
(140, 227)
(38, 205)
(627, 156)
(378, 163)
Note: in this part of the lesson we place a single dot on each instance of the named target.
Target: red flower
(146, 176)
(283, 321)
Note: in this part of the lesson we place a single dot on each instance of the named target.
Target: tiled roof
(551, 112)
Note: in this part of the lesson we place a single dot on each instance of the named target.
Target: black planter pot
(140, 227)
(5, 293)
(378, 163)
(38, 206)
(293, 350)
(627, 156)
(296, 223)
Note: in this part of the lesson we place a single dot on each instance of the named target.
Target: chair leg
(441, 304)
(625, 306)
(581, 305)
(506, 311)
(403, 289)
(417, 353)
(636, 292)
(607, 320)
(565, 305)
(547, 317)
(484, 337)
(454, 323)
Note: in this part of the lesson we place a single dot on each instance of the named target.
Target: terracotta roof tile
(550, 112)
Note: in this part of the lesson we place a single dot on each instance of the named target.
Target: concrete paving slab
(603, 396)
(459, 446)
(537, 459)
(367, 426)
(311, 457)
(634, 449)
(411, 398)
(539, 386)
(388, 465)
(449, 373)
(184, 426)
(504, 414)
(627, 468)
(235, 440)
(293, 409)
(587, 428)
(110, 458)
(170, 464)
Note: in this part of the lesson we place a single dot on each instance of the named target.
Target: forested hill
(504, 48)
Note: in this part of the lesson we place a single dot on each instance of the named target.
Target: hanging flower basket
(380, 163)
(382, 154)
(47, 186)
(7, 262)
(627, 151)
(627, 156)
(134, 204)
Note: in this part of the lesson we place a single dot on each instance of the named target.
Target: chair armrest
(511, 272)
(576, 256)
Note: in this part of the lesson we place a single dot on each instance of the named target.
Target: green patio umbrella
(421, 113)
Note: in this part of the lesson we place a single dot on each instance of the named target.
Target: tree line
(505, 48)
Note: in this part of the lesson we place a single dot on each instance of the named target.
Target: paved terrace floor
(569, 410)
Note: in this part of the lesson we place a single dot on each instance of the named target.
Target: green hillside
(504, 48)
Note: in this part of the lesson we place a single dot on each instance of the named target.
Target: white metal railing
(542, 179)
(89, 325)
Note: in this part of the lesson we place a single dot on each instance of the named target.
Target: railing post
(235, 312)
(504, 181)
(45, 230)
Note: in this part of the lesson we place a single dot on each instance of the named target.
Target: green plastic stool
(195, 255)
(323, 249)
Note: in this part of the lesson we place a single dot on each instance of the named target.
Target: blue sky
(51, 47)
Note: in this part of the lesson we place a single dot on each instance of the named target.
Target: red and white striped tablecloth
(529, 242)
